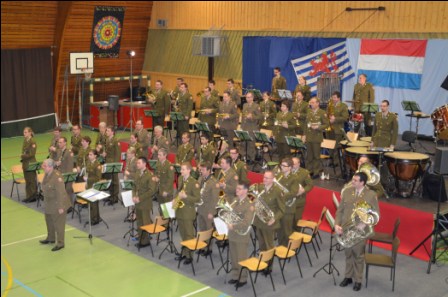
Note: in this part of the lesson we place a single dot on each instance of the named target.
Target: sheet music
(127, 198)
(330, 219)
(167, 210)
(221, 227)
(93, 195)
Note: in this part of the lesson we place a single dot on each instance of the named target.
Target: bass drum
(440, 120)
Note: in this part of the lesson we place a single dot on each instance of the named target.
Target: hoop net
(87, 76)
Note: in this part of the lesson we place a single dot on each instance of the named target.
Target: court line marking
(9, 274)
(197, 291)
(32, 238)
(25, 287)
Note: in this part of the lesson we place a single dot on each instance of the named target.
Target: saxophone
(222, 195)
(178, 203)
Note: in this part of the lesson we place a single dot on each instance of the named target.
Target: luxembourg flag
(392, 63)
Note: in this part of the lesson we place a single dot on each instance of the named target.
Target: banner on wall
(107, 30)
(331, 59)
(393, 63)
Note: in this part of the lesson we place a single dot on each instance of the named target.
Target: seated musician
(185, 152)
(160, 142)
(385, 128)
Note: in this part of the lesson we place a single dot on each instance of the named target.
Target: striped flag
(332, 59)
(393, 63)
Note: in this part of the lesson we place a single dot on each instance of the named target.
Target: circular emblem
(107, 32)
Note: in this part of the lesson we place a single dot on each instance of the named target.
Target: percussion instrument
(406, 167)
(357, 143)
(367, 138)
(357, 117)
(440, 120)
(352, 155)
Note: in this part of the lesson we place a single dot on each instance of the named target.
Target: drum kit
(440, 120)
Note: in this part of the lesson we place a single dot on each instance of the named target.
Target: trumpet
(176, 103)
(207, 110)
(265, 117)
(222, 115)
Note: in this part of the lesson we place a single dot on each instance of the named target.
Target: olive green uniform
(55, 198)
(186, 215)
(131, 167)
(82, 157)
(291, 183)
(340, 112)
(364, 94)
(314, 139)
(268, 111)
(227, 126)
(276, 203)
(211, 103)
(301, 108)
(54, 143)
(160, 142)
(241, 170)
(278, 83)
(185, 107)
(354, 256)
(162, 106)
(66, 166)
(113, 155)
(304, 179)
(306, 91)
(138, 149)
(144, 140)
(218, 159)
(93, 171)
(144, 188)
(207, 153)
(385, 130)
(250, 125)
(28, 156)
(230, 179)
(281, 132)
(209, 198)
(235, 96)
(185, 153)
(165, 173)
(215, 93)
(76, 144)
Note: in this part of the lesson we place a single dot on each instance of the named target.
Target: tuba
(230, 217)
(363, 219)
(262, 210)
(373, 175)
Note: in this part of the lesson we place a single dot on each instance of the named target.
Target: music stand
(329, 268)
(369, 108)
(169, 213)
(151, 114)
(153, 164)
(285, 94)
(297, 144)
(175, 117)
(101, 186)
(203, 127)
(243, 136)
(91, 195)
(112, 168)
(128, 202)
(35, 166)
(265, 142)
(411, 106)
(127, 185)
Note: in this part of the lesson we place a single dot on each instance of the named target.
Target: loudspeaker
(113, 102)
(441, 160)
(433, 186)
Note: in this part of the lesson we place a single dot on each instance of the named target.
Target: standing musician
(385, 128)
(249, 122)
(56, 203)
(133, 142)
(185, 152)
(354, 256)
(317, 122)
(268, 110)
(304, 179)
(284, 126)
(112, 154)
(93, 175)
(142, 192)
(299, 110)
(213, 90)
(83, 155)
(64, 162)
(239, 166)
(278, 83)
(164, 177)
(304, 88)
(338, 115)
(174, 93)
(142, 137)
(223, 152)
(227, 178)
(160, 142)
(207, 151)
(208, 108)
(290, 182)
(28, 156)
(363, 93)
(185, 105)
(209, 197)
(233, 93)
(273, 197)
(101, 136)
(131, 164)
(227, 118)
(54, 143)
(238, 242)
(76, 139)
(189, 194)
(161, 103)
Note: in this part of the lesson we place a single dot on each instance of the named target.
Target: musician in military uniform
(377, 188)
(142, 192)
(54, 143)
(164, 177)
(160, 142)
(133, 142)
(101, 136)
(93, 175)
(213, 90)
(239, 236)
(209, 197)
(185, 151)
(131, 164)
(56, 203)
(207, 151)
(185, 105)
(227, 118)
(82, 157)
(268, 110)
(278, 83)
(64, 163)
(304, 88)
(363, 93)
(385, 128)
(189, 194)
(28, 156)
(112, 154)
(337, 114)
(249, 122)
(299, 110)
(266, 226)
(354, 256)
(143, 137)
(284, 126)
(174, 93)
(317, 122)
(227, 178)
(76, 139)
(208, 109)
(239, 166)
(304, 179)
(233, 92)
(161, 103)
(223, 152)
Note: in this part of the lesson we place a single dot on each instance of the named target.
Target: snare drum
(440, 120)
(406, 166)
(352, 154)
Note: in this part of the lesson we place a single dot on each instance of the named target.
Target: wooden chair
(258, 264)
(157, 227)
(201, 242)
(17, 178)
(384, 261)
(382, 237)
(330, 145)
(79, 203)
(312, 225)
(222, 242)
(286, 253)
(193, 131)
